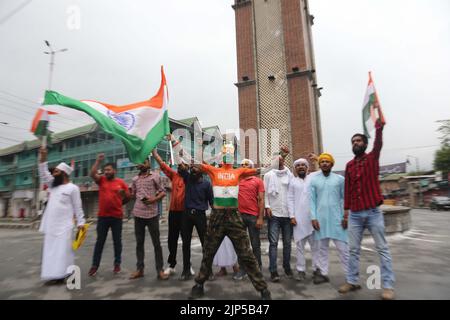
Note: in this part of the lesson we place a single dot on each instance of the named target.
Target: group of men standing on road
(310, 207)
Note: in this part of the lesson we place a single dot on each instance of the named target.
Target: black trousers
(175, 219)
(254, 233)
(152, 225)
(103, 226)
(190, 219)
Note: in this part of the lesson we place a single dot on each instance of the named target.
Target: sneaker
(185, 276)
(93, 271)
(162, 276)
(137, 274)
(238, 276)
(274, 276)
(388, 294)
(117, 269)
(289, 273)
(265, 295)
(169, 271)
(211, 277)
(348, 287)
(301, 276)
(192, 271)
(197, 291)
(319, 278)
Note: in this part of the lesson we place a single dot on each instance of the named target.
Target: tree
(442, 156)
(442, 160)
(444, 130)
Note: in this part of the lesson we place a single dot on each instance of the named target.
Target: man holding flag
(57, 223)
(363, 198)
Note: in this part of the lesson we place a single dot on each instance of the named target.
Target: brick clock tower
(276, 75)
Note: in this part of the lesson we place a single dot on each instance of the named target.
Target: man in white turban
(299, 208)
(57, 222)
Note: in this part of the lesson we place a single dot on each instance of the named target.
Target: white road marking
(429, 234)
(411, 238)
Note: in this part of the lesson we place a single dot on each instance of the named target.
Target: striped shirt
(362, 188)
(225, 182)
(146, 186)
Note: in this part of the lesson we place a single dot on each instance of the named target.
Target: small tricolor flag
(39, 126)
(140, 126)
(371, 111)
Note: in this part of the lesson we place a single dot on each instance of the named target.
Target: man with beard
(57, 223)
(276, 183)
(112, 194)
(176, 208)
(327, 216)
(363, 198)
(198, 196)
(146, 188)
(299, 208)
(251, 209)
(225, 220)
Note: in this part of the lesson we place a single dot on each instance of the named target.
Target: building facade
(277, 85)
(22, 196)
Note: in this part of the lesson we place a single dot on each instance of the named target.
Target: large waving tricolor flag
(371, 108)
(140, 126)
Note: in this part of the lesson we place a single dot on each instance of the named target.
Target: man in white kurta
(63, 206)
(328, 217)
(299, 207)
(276, 184)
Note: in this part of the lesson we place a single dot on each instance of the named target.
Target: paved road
(421, 259)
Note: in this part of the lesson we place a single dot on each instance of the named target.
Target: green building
(20, 192)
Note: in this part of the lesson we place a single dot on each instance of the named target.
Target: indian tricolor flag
(140, 126)
(39, 125)
(371, 108)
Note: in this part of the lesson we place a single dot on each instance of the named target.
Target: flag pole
(377, 106)
(171, 152)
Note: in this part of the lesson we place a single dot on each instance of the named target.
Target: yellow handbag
(80, 236)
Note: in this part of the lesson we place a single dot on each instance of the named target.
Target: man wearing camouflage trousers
(226, 221)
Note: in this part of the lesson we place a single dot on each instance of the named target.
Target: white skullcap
(300, 161)
(250, 162)
(65, 167)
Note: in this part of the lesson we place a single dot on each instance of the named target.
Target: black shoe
(185, 276)
(301, 276)
(197, 291)
(265, 295)
(274, 276)
(289, 273)
(56, 282)
(319, 278)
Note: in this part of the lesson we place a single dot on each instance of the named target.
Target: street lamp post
(52, 61)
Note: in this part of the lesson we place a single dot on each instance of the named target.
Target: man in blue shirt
(198, 196)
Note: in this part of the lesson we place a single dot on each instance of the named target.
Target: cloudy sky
(115, 53)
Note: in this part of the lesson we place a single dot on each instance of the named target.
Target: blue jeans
(373, 220)
(275, 225)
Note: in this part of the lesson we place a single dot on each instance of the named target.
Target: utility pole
(417, 162)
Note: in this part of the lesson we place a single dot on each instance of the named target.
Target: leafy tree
(442, 156)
